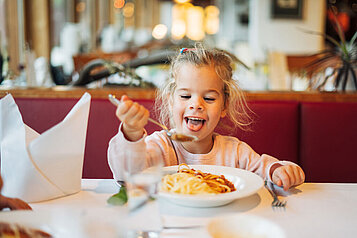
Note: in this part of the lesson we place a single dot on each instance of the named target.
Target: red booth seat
(321, 137)
(328, 141)
(274, 131)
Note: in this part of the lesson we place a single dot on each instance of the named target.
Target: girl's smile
(198, 105)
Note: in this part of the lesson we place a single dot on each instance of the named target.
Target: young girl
(198, 94)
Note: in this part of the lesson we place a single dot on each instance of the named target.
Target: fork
(276, 202)
(156, 233)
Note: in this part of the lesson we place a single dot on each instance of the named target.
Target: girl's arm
(148, 148)
(282, 173)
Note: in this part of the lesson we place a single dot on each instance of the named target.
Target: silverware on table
(156, 233)
(276, 202)
(172, 135)
(121, 183)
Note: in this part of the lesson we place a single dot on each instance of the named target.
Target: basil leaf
(119, 198)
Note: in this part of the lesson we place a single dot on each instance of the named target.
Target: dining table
(312, 210)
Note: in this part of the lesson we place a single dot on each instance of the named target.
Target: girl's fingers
(292, 173)
(288, 176)
(123, 108)
(136, 116)
(286, 180)
(279, 182)
(280, 174)
(124, 98)
(296, 174)
(301, 176)
(17, 204)
(139, 114)
(280, 177)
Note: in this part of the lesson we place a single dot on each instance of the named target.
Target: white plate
(243, 226)
(246, 183)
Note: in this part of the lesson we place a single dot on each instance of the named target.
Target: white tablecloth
(313, 210)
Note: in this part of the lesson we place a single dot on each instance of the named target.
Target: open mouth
(194, 123)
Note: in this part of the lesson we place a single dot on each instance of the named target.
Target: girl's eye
(185, 96)
(209, 99)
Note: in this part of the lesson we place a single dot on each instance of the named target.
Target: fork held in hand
(276, 202)
(172, 135)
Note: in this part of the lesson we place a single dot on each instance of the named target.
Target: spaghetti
(191, 181)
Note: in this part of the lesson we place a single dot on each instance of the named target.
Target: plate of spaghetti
(207, 185)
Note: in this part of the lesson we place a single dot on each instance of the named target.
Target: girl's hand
(13, 204)
(134, 117)
(287, 176)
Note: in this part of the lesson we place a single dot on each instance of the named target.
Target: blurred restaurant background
(45, 43)
(296, 61)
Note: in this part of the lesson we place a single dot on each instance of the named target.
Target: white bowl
(243, 226)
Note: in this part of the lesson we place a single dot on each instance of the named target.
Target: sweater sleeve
(249, 160)
(260, 164)
(120, 149)
(142, 153)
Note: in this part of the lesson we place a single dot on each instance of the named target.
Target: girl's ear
(224, 110)
(223, 113)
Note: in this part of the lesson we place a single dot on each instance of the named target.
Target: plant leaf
(338, 77)
(353, 39)
(353, 76)
(119, 198)
(338, 26)
(344, 82)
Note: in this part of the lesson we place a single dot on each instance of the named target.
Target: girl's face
(198, 102)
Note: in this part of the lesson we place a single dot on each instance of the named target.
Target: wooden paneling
(12, 29)
(38, 27)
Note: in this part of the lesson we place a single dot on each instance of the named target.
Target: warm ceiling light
(178, 29)
(128, 10)
(212, 11)
(81, 6)
(212, 20)
(119, 3)
(195, 23)
(182, 1)
(159, 32)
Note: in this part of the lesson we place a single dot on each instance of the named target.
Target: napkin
(37, 167)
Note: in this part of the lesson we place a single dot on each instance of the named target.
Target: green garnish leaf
(119, 198)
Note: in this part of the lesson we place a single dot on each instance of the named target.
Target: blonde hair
(234, 100)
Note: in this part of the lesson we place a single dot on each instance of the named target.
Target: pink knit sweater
(226, 151)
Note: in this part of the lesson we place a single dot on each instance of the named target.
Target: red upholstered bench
(274, 131)
(102, 126)
(42, 113)
(321, 137)
(328, 141)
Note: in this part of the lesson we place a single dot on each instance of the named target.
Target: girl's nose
(196, 104)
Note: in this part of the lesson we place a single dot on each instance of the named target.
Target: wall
(266, 34)
(231, 29)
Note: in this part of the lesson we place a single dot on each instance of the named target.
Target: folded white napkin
(37, 167)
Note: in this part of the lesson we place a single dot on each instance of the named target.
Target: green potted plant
(341, 59)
